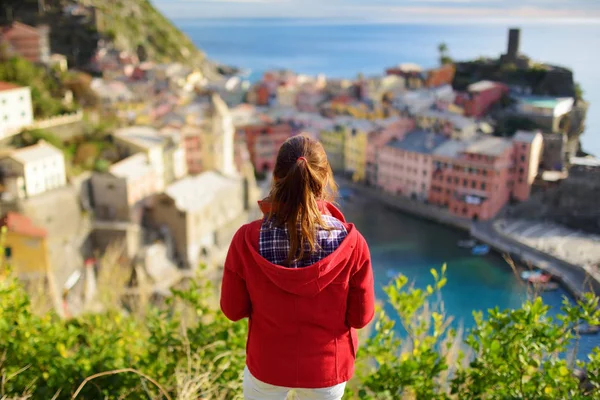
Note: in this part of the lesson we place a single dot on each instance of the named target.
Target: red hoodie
(302, 321)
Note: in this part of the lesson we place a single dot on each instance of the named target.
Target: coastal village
(186, 157)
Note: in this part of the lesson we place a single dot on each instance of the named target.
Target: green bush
(188, 350)
(46, 89)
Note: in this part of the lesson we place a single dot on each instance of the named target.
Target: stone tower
(514, 39)
(218, 138)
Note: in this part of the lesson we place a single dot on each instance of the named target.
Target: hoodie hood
(311, 280)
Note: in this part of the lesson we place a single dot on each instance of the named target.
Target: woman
(303, 277)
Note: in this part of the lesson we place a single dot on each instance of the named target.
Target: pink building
(473, 179)
(405, 166)
(527, 155)
(392, 129)
(264, 141)
(192, 142)
(480, 97)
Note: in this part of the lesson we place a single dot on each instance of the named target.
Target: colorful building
(443, 75)
(391, 128)
(33, 170)
(480, 97)
(405, 165)
(473, 179)
(264, 141)
(333, 142)
(25, 247)
(16, 109)
(33, 44)
(528, 148)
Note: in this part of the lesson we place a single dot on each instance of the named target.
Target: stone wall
(573, 203)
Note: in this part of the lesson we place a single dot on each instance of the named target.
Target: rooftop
(132, 167)
(20, 224)
(543, 101)
(419, 141)
(489, 145)
(36, 152)
(481, 86)
(142, 136)
(4, 86)
(585, 161)
(195, 192)
(525, 137)
(451, 148)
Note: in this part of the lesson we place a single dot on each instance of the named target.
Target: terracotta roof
(8, 86)
(18, 27)
(18, 223)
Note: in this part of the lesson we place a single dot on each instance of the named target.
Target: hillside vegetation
(185, 349)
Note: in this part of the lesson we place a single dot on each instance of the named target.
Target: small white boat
(467, 244)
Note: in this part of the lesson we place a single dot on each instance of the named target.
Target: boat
(467, 244)
(480, 250)
(542, 278)
(585, 329)
(525, 275)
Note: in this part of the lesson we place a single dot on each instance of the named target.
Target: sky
(402, 10)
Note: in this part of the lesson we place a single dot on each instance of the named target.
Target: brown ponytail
(302, 177)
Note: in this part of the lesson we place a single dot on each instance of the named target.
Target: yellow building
(355, 148)
(333, 143)
(25, 247)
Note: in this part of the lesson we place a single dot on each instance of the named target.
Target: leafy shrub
(185, 349)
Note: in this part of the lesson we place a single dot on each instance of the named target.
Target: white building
(165, 151)
(122, 192)
(33, 170)
(218, 139)
(16, 110)
(199, 214)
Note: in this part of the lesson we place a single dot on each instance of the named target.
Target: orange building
(476, 179)
(443, 75)
(473, 179)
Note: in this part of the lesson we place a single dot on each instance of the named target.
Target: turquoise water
(402, 244)
(341, 49)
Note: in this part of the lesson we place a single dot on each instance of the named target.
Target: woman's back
(303, 277)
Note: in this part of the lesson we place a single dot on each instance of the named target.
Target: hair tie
(302, 159)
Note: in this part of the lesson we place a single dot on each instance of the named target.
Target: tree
(444, 57)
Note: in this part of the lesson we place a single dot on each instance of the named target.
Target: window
(484, 172)
(524, 146)
(110, 186)
(520, 180)
(456, 180)
(473, 184)
(7, 252)
(482, 186)
(449, 180)
(521, 171)
(523, 158)
(424, 173)
(465, 182)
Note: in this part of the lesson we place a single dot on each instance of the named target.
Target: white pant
(257, 390)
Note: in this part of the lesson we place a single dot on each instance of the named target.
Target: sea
(344, 49)
(401, 244)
